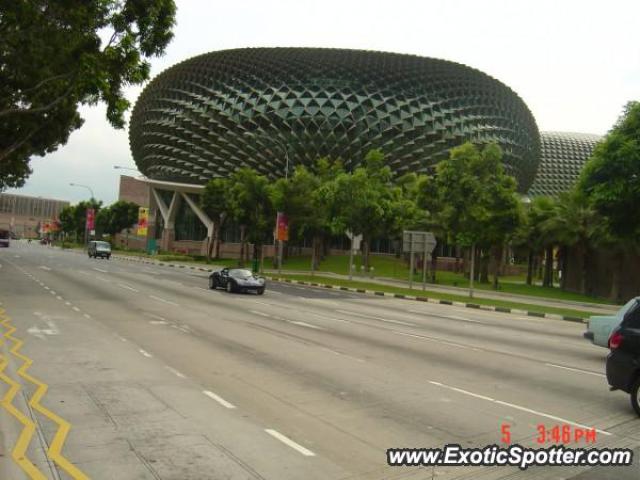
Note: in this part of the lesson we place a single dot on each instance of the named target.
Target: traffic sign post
(418, 242)
(355, 245)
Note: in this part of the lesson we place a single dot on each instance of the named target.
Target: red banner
(91, 219)
(282, 227)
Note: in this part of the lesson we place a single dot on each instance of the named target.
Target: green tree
(479, 201)
(53, 58)
(67, 220)
(296, 198)
(610, 182)
(215, 203)
(573, 224)
(363, 201)
(250, 206)
(80, 216)
(121, 215)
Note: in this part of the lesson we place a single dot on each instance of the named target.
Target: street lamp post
(86, 233)
(280, 243)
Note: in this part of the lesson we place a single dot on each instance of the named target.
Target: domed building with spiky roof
(272, 109)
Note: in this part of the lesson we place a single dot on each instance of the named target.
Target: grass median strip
(442, 298)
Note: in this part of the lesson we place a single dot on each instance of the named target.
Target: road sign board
(418, 242)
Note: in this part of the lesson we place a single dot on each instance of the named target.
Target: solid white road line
(164, 301)
(218, 399)
(153, 315)
(145, 353)
(122, 285)
(290, 443)
(517, 407)
(305, 324)
(586, 372)
(436, 340)
(397, 322)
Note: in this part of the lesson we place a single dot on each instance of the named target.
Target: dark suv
(623, 362)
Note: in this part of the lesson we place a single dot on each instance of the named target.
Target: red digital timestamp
(555, 434)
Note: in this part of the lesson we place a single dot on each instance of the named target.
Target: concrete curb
(475, 306)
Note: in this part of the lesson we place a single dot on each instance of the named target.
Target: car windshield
(102, 245)
(627, 306)
(240, 272)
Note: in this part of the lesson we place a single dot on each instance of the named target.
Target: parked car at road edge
(623, 362)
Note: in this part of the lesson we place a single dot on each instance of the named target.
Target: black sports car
(237, 280)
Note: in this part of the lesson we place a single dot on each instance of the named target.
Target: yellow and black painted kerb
(19, 452)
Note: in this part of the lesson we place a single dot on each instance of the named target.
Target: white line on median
(122, 285)
(586, 372)
(218, 399)
(287, 441)
(164, 301)
(517, 407)
(145, 353)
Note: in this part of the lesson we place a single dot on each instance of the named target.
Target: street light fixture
(86, 233)
(280, 144)
(83, 186)
(280, 243)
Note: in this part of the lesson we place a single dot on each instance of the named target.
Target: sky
(574, 63)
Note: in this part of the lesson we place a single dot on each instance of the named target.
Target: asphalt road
(161, 378)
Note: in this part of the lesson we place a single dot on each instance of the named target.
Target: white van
(99, 249)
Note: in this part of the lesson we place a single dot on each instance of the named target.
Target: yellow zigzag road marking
(19, 452)
(55, 448)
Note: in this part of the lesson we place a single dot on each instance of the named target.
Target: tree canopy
(611, 178)
(55, 56)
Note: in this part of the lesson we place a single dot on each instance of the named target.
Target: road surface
(158, 377)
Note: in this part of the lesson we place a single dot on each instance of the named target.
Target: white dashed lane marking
(218, 399)
(290, 443)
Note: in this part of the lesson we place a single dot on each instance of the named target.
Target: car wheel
(635, 396)
(212, 283)
(261, 291)
(229, 286)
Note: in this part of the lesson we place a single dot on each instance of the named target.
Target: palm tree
(574, 225)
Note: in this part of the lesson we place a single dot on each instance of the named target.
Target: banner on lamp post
(282, 227)
(91, 219)
(143, 221)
